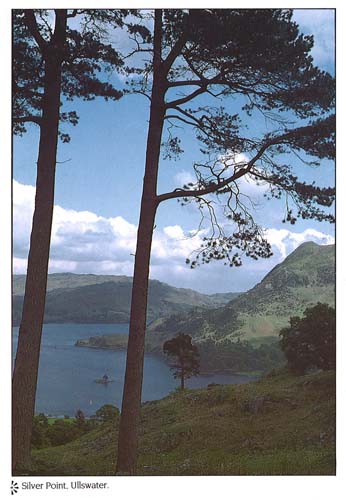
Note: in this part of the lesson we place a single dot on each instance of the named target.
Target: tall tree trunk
(27, 358)
(130, 412)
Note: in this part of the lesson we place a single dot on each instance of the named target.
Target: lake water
(66, 380)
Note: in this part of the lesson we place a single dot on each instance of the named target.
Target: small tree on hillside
(186, 356)
(309, 342)
(80, 419)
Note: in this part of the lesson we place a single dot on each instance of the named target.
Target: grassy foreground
(281, 425)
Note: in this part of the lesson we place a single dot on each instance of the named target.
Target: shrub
(62, 432)
(39, 438)
(107, 413)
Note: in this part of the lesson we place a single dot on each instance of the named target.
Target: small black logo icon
(14, 488)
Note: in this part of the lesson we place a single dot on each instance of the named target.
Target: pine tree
(203, 62)
(51, 61)
(186, 356)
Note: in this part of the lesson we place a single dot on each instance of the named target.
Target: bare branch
(185, 99)
(140, 92)
(216, 186)
(138, 48)
(64, 161)
(180, 118)
(185, 83)
(188, 115)
(29, 118)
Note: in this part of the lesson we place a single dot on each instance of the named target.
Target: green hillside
(89, 298)
(306, 276)
(67, 280)
(281, 425)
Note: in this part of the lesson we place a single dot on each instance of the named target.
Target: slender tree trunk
(182, 378)
(29, 340)
(130, 413)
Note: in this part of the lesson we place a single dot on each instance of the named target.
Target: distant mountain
(90, 298)
(306, 276)
(68, 280)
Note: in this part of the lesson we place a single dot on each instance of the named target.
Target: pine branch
(28, 118)
(185, 83)
(183, 100)
(175, 52)
(32, 25)
(214, 187)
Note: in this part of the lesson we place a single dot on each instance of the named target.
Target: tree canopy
(219, 71)
(310, 342)
(86, 61)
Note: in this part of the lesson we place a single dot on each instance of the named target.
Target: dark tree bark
(29, 340)
(128, 430)
(209, 58)
(48, 64)
(182, 378)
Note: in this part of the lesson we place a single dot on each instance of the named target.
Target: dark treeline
(240, 356)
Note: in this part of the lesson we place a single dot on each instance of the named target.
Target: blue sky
(98, 188)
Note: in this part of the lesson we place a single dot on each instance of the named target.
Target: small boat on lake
(104, 380)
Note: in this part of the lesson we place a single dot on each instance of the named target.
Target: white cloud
(286, 241)
(84, 242)
(23, 207)
(174, 232)
(184, 177)
(248, 185)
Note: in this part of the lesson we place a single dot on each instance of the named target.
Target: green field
(280, 425)
(52, 420)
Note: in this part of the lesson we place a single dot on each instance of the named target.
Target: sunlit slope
(305, 277)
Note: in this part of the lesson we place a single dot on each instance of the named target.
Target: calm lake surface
(67, 374)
